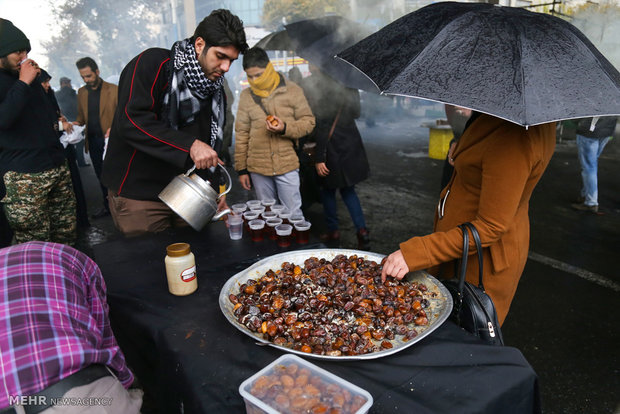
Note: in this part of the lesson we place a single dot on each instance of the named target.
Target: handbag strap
(463, 264)
(476, 236)
(258, 101)
(331, 130)
(462, 269)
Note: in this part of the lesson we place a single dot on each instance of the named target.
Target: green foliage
(274, 11)
(110, 31)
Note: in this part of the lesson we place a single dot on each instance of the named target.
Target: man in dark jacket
(592, 136)
(170, 115)
(39, 201)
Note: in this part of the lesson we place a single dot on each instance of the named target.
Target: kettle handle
(229, 180)
(191, 170)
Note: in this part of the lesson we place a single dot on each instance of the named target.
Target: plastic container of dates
(291, 385)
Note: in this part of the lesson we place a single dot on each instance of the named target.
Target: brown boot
(363, 239)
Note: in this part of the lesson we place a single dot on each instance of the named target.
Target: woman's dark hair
(221, 28)
(87, 62)
(255, 57)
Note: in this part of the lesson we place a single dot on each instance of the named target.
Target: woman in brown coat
(497, 165)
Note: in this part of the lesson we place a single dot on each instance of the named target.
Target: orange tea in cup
(271, 227)
(256, 229)
(283, 234)
(302, 232)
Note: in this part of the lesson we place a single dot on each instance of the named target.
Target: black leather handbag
(473, 309)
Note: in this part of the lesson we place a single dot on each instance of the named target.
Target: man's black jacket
(28, 127)
(144, 153)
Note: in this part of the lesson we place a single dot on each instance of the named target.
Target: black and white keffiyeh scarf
(189, 88)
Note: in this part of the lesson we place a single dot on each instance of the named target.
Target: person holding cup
(39, 201)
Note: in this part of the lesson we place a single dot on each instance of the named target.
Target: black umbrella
(525, 67)
(276, 41)
(317, 41)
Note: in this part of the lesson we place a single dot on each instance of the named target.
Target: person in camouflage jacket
(39, 201)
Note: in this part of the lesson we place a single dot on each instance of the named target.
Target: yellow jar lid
(177, 249)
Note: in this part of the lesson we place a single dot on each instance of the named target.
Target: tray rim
(245, 274)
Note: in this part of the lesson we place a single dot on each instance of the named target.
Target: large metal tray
(437, 312)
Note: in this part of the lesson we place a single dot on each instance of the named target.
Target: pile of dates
(337, 308)
(295, 389)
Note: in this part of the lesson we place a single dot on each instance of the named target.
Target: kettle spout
(220, 214)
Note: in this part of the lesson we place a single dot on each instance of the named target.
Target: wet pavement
(564, 317)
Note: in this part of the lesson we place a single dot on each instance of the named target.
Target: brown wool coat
(497, 165)
(107, 106)
(260, 151)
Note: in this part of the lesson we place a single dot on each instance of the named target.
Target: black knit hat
(11, 38)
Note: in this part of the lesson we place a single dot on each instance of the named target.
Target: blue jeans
(349, 196)
(589, 151)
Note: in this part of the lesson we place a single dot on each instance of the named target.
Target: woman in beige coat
(497, 165)
(265, 156)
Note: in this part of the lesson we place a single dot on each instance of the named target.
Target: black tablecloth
(186, 353)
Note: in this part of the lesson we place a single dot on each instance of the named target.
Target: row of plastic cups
(279, 231)
(286, 216)
(258, 205)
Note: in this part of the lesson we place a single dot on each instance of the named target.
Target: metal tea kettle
(194, 199)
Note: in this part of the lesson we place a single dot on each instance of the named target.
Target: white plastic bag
(74, 137)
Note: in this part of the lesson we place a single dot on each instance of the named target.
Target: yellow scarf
(265, 83)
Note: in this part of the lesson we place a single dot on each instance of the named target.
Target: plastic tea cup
(285, 215)
(239, 208)
(268, 202)
(256, 229)
(259, 209)
(302, 232)
(271, 227)
(268, 215)
(277, 208)
(247, 217)
(235, 226)
(295, 218)
(283, 233)
(251, 203)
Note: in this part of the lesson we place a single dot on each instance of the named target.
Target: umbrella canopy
(276, 41)
(317, 41)
(525, 67)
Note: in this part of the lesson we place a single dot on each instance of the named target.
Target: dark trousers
(95, 147)
(76, 180)
(349, 196)
(79, 153)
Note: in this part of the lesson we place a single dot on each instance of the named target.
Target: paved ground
(564, 317)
